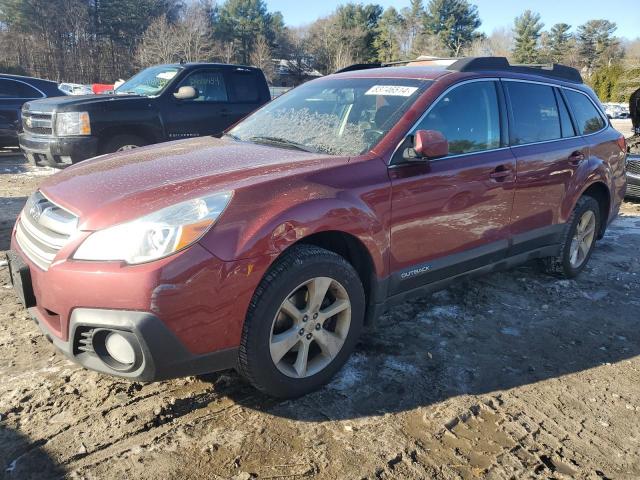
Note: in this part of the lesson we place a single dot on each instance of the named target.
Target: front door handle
(500, 173)
(576, 158)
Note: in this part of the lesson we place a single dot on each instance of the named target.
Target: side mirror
(186, 93)
(430, 144)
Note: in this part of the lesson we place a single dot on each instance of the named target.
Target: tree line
(100, 40)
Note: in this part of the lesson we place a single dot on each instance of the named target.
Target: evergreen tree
(597, 45)
(527, 33)
(388, 36)
(243, 21)
(559, 41)
(454, 23)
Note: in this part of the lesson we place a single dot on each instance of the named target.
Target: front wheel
(578, 241)
(122, 143)
(303, 322)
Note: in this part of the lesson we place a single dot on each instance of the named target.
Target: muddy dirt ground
(515, 375)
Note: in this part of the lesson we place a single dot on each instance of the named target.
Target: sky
(493, 13)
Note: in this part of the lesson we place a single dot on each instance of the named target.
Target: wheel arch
(354, 251)
(107, 134)
(599, 191)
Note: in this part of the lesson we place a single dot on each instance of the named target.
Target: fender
(596, 172)
(293, 208)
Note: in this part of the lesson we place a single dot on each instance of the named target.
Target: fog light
(119, 348)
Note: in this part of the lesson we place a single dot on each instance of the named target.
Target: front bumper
(159, 354)
(185, 312)
(57, 152)
(633, 177)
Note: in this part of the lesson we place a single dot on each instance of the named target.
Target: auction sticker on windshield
(167, 75)
(392, 90)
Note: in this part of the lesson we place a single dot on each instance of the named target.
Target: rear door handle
(576, 158)
(500, 173)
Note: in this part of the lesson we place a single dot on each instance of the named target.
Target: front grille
(633, 190)
(43, 229)
(37, 122)
(633, 165)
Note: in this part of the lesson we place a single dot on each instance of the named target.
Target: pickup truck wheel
(578, 241)
(303, 322)
(121, 143)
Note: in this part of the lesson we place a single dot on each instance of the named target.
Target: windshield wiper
(280, 141)
(232, 136)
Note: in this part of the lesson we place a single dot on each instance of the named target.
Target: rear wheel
(121, 143)
(578, 241)
(303, 322)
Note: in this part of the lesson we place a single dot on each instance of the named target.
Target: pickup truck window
(338, 117)
(244, 87)
(209, 84)
(149, 82)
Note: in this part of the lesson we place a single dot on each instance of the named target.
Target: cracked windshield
(338, 117)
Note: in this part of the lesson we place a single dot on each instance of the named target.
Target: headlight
(156, 235)
(73, 123)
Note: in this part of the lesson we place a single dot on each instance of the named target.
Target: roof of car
(433, 67)
(419, 73)
(206, 64)
(26, 79)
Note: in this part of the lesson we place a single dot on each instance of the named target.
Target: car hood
(122, 186)
(74, 102)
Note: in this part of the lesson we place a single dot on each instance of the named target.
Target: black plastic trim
(163, 355)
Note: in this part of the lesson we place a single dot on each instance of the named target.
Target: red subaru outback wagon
(269, 249)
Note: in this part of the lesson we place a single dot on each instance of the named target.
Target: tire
(121, 142)
(564, 265)
(294, 277)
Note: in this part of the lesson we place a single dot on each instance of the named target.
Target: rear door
(548, 154)
(452, 214)
(207, 114)
(13, 94)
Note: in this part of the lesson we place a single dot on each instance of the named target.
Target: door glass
(468, 116)
(587, 116)
(565, 119)
(209, 85)
(534, 113)
(11, 89)
(244, 87)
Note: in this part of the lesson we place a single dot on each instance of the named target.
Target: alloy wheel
(310, 327)
(582, 239)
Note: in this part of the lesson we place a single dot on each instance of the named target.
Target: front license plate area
(21, 279)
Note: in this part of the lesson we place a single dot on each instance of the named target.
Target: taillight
(622, 143)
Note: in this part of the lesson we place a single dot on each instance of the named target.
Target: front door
(207, 114)
(452, 214)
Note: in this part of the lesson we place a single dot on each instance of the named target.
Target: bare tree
(158, 44)
(261, 57)
(194, 36)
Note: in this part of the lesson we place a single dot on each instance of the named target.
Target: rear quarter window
(587, 116)
(244, 87)
(534, 113)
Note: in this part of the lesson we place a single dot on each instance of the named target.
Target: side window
(587, 116)
(565, 118)
(244, 87)
(534, 113)
(11, 89)
(468, 116)
(209, 85)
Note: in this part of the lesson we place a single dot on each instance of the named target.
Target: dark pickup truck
(161, 103)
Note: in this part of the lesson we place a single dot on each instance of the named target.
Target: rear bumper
(57, 151)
